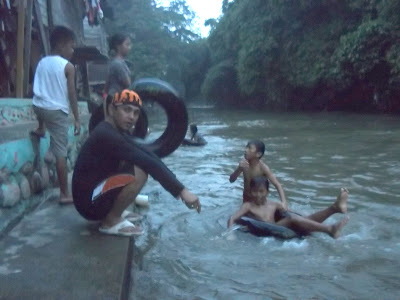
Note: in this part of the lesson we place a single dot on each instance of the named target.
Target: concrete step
(17, 118)
(54, 253)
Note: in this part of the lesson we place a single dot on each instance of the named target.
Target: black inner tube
(260, 228)
(187, 142)
(177, 118)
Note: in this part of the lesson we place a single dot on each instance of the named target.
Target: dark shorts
(95, 203)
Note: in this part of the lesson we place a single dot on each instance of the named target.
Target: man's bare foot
(340, 204)
(66, 200)
(335, 231)
(191, 200)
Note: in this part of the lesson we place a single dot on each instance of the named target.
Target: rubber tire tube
(260, 228)
(177, 117)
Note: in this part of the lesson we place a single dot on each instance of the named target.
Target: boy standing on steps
(252, 166)
(54, 91)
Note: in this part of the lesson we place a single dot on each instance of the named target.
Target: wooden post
(43, 35)
(50, 14)
(20, 48)
(27, 48)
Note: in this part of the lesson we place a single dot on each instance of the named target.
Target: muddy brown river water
(185, 255)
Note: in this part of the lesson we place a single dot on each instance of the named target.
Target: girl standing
(119, 75)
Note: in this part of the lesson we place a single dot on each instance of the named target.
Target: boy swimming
(196, 139)
(252, 166)
(264, 210)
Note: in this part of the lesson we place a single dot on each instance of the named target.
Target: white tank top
(50, 84)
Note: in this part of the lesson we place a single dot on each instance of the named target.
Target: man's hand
(191, 200)
(77, 129)
(244, 164)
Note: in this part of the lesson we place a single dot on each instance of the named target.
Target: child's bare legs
(337, 227)
(314, 222)
(41, 130)
(298, 223)
(62, 173)
(340, 206)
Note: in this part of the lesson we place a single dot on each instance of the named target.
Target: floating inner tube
(177, 118)
(260, 228)
(187, 142)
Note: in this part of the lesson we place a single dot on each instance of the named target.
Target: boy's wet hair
(258, 181)
(260, 147)
(193, 128)
(61, 35)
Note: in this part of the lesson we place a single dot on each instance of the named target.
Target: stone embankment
(48, 250)
(27, 168)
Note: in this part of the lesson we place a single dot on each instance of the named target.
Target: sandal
(65, 200)
(116, 229)
(131, 216)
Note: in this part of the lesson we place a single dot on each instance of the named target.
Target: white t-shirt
(50, 84)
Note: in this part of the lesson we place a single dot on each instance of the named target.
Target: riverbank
(54, 253)
(48, 250)
(26, 167)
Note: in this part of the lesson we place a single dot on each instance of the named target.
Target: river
(185, 255)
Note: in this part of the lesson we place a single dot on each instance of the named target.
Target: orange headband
(127, 97)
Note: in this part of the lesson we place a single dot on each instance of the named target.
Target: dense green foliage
(276, 54)
(306, 55)
(164, 44)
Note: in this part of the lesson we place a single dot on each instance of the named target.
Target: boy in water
(264, 210)
(196, 139)
(252, 166)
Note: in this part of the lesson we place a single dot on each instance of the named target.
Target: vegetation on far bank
(275, 54)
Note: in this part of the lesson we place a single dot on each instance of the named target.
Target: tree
(221, 83)
(161, 38)
(309, 54)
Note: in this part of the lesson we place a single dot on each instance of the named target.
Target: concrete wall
(69, 13)
(14, 110)
(22, 174)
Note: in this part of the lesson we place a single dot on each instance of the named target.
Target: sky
(204, 9)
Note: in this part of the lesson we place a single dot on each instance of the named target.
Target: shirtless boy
(265, 210)
(252, 166)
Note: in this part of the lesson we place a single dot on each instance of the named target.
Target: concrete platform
(53, 253)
